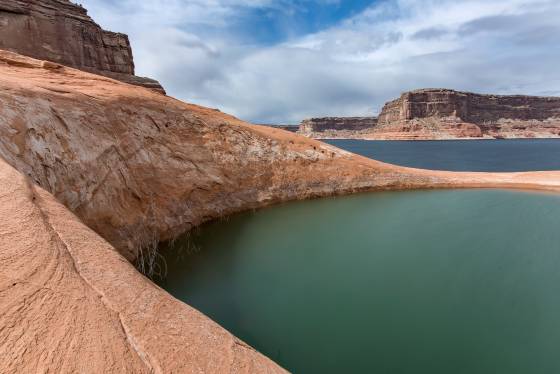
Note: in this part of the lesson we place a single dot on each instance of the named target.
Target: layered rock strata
(136, 167)
(446, 114)
(62, 32)
(290, 128)
(441, 113)
(469, 107)
(337, 123)
(336, 126)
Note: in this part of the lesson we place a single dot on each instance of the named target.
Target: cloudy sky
(279, 61)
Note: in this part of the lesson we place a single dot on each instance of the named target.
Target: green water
(396, 282)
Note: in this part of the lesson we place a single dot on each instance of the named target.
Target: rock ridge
(63, 32)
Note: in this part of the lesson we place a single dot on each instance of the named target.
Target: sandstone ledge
(63, 32)
(134, 166)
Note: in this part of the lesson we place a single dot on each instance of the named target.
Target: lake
(462, 155)
(453, 281)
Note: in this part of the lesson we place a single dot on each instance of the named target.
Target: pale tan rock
(51, 65)
(69, 303)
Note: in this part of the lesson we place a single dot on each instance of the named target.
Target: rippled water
(462, 155)
(394, 282)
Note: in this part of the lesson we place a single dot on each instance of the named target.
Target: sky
(281, 61)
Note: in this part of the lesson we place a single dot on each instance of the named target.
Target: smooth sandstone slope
(136, 166)
(70, 303)
(139, 167)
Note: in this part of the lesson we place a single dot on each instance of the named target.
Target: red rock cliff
(62, 32)
(446, 113)
(469, 107)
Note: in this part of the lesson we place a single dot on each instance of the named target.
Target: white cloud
(350, 69)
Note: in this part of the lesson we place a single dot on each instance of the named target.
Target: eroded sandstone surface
(62, 32)
(70, 303)
(92, 169)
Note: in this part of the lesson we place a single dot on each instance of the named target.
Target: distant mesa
(338, 124)
(62, 32)
(430, 114)
(290, 128)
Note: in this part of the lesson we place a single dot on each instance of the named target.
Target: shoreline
(429, 140)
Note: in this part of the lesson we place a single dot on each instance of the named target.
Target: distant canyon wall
(62, 32)
(290, 128)
(448, 114)
(469, 107)
(336, 126)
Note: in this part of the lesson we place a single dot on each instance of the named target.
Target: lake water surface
(462, 155)
(431, 282)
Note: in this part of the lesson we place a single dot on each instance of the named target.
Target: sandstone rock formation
(442, 113)
(446, 114)
(136, 166)
(337, 123)
(139, 167)
(71, 304)
(469, 107)
(336, 126)
(290, 128)
(62, 32)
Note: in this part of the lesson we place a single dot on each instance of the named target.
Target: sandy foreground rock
(92, 169)
(69, 303)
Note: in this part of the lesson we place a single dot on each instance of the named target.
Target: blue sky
(284, 21)
(280, 61)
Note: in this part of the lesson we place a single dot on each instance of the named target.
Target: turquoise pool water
(462, 281)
